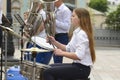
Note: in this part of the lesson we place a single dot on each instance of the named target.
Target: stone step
(10, 62)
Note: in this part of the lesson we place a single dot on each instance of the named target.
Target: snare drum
(27, 70)
(41, 57)
(42, 43)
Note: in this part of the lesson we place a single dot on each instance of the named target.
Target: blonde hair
(85, 24)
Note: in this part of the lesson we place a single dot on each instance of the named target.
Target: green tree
(113, 19)
(100, 5)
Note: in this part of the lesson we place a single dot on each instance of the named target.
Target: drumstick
(50, 41)
(51, 44)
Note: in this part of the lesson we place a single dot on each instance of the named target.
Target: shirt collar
(41, 11)
(60, 7)
(77, 30)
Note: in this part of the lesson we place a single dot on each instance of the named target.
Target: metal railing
(105, 37)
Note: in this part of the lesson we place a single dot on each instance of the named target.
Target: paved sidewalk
(106, 67)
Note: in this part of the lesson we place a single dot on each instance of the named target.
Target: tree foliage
(100, 5)
(113, 19)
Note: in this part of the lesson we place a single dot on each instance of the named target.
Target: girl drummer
(80, 49)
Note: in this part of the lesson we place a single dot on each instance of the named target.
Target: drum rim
(43, 44)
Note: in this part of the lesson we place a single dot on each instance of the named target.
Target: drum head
(42, 42)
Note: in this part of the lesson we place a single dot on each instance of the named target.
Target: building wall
(106, 37)
(98, 20)
(4, 7)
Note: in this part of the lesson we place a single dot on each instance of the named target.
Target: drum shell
(27, 70)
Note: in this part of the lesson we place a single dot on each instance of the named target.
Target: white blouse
(79, 44)
(63, 19)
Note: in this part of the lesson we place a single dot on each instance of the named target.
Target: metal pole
(2, 51)
(5, 33)
(10, 52)
(9, 11)
(34, 64)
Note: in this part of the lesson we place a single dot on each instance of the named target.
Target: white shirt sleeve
(81, 46)
(64, 23)
(78, 44)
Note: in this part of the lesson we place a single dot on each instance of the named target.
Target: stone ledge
(10, 62)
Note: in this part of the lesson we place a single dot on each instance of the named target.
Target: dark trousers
(62, 38)
(42, 57)
(66, 72)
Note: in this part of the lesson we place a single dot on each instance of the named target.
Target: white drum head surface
(42, 42)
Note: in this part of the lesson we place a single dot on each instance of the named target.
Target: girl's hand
(58, 52)
(50, 39)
